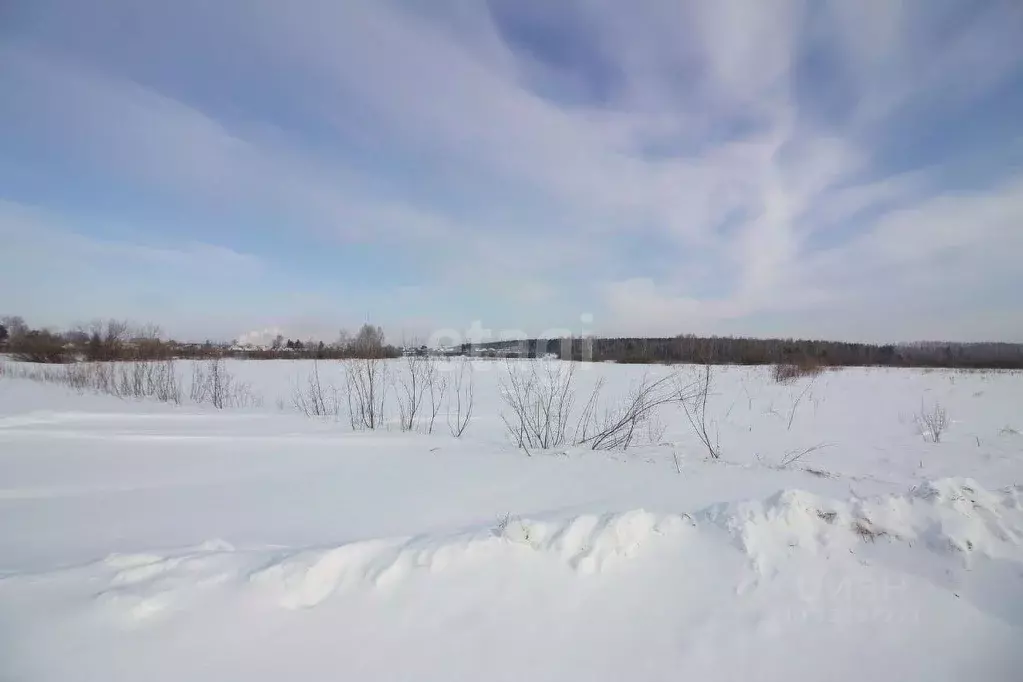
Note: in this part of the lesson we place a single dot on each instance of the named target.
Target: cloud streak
(670, 167)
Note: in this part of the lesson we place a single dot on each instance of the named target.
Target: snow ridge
(949, 516)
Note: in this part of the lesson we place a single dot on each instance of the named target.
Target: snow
(140, 540)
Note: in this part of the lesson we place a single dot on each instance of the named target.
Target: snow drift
(141, 541)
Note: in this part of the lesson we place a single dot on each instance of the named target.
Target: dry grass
(866, 530)
(793, 456)
(789, 371)
(155, 379)
(819, 473)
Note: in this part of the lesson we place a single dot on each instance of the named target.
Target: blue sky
(845, 169)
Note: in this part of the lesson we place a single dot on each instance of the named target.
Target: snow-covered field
(146, 541)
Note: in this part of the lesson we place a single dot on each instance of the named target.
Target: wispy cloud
(731, 167)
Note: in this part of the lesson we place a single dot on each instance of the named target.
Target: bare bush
(144, 379)
(155, 380)
(410, 388)
(420, 392)
(39, 373)
(136, 379)
(460, 401)
(166, 386)
(436, 388)
(132, 379)
(694, 402)
(614, 428)
(201, 389)
(932, 422)
(539, 396)
(103, 377)
(366, 382)
(786, 372)
(316, 399)
(76, 377)
(212, 383)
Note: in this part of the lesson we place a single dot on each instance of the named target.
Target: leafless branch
(365, 390)
(539, 396)
(696, 411)
(462, 394)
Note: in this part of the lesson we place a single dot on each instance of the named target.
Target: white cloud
(468, 160)
(32, 230)
(945, 267)
(55, 276)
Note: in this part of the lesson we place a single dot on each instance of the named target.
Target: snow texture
(145, 541)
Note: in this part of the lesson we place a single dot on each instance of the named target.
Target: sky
(830, 169)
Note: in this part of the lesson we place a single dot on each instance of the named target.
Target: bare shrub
(38, 373)
(932, 422)
(156, 380)
(316, 399)
(145, 379)
(365, 389)
(783, 373)
(148, 379)
(614, 428)
(419, 392)
(436, 387)
(539, 396)
(804, 367)
(460, 401)
(132, 379)
(694, 403)
(410, 387)
(76, 377)
(201, 389)
(167, 387)
(212, 383)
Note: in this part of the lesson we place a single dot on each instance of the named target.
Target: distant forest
(117, 340)
(749, 351)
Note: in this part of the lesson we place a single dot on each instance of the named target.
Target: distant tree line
(118, 340)
(752, 351)
(113, 340)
